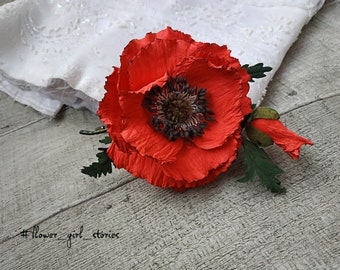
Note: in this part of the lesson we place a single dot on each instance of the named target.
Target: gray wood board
(224, 225)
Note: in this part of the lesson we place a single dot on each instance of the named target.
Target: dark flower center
(178, 110)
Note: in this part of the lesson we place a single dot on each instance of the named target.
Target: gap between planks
(310, 102)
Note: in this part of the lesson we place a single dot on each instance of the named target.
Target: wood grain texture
(14, 116)
(41, 163)
(224, 225)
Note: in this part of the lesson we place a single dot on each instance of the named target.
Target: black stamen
(179, 111)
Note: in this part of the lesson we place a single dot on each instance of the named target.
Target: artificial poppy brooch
(177, 113)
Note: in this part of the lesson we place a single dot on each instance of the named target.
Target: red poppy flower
(283, 137)
(174, 109)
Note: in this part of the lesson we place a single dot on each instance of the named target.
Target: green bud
(266, 113)
(258, 137)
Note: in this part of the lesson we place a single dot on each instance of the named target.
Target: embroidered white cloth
(55, 52)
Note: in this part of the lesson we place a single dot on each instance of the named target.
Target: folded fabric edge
(38, 101)
(47, 100)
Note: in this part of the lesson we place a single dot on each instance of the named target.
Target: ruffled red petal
(138, 132)
(224, 95)
(152, 170)
(219, 57)
(135, 45)
(283, 137)
(194, 163)
(165, 55)
(140, 166)
(183, 185)
(170, 34)
(129, 52)
(109, 111)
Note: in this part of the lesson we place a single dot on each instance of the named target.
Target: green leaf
(103, 166)
(257, 71)
(106, 140)
(259, 164)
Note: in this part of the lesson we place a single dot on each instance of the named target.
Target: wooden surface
(224, 225)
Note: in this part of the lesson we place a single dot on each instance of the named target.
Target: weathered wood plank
(225, 224)
(40, 168)
(14, 115)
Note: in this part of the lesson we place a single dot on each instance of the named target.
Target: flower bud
(266, 113)
(258, 137)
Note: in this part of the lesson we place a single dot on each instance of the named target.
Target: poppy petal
(140, 166)
(219, 56)
(138, 132)
(135, 45)
(283, 137)
(194, 163)
(170, 34)
(109, 111)
(152, 170)
(183, 185)
(165, 55)
(129, 52)
(224, 94)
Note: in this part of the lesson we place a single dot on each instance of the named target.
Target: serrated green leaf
(259, 164)
(106, 140)
(103, 166)
(257, 71)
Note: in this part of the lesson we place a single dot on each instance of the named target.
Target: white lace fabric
(55, 52)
